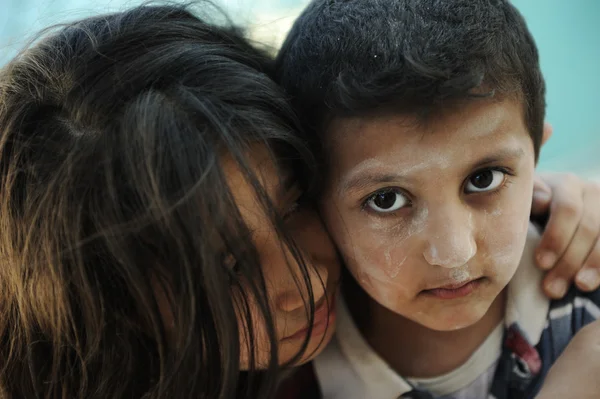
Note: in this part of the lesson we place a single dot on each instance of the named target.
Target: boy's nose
(450, 240)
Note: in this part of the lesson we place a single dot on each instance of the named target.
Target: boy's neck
(413, 350)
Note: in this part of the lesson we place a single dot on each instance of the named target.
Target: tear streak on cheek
(375, 280)
(381, 289)
(383, 264)
(392, 268)
(400, 232)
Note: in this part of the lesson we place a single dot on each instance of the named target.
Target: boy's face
(431, 219)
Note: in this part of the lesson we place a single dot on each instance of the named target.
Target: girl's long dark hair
(112, 196)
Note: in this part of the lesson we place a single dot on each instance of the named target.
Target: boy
(431, 114)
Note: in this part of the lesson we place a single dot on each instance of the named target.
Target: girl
(154, 239)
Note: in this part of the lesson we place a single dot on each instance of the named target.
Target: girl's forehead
(263, 176)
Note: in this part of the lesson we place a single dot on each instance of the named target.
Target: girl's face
(286, 286)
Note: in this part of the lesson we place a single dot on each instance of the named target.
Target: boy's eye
(387, 201)
(485, 180)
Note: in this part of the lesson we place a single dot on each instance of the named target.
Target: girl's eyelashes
(486, 180)
(297, 202)
(293, 208)
(387, 200)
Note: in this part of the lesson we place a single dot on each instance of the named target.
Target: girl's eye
(293, 208)
(485, 180)
(300, 202)
(387, 201)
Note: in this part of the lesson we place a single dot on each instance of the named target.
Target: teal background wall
(567, 34)
(568, 38)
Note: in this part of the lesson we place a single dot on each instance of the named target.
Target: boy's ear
(547, 132)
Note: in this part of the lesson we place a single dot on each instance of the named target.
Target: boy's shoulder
(542, 319)
(524, 364)
(537, 329)
(534, 312)
(568, 315)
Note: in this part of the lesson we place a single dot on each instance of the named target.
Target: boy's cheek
(390, 293)
(503, 235)
(366, 252)
(382, 266)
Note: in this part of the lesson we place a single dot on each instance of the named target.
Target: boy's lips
(455, 290)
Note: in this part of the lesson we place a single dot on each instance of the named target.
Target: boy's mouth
(455, 290)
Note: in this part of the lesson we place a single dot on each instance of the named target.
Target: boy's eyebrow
(502, 155)
(360, 180)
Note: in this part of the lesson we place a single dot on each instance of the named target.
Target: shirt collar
(527, 306)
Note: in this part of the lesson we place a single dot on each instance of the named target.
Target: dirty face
(431, 218)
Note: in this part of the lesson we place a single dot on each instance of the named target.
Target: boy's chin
(453, 318)
(453, 322)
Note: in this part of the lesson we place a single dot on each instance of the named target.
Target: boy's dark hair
(355, 57)
(114, 203)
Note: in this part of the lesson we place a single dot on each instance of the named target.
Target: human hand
(570, 245)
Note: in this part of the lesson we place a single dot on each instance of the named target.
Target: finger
(580, 248)
(569, 265)
(588, 279)
(565, 214)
